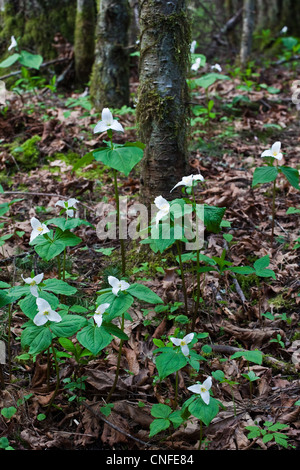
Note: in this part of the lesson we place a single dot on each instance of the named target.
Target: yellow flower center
(46, 313)
(40, 229)
(33, 283)
(182, 343)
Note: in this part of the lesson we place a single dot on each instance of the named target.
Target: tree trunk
(274, 14)
(247, 31)
(162, 109)
(84, 40)
(110, 76)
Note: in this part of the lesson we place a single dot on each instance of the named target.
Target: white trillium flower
(67, 205)
(98, 316)
(188, 181)
(107, 122)
(38, 228)
(217, 67)
(196, 64)
(45, 313)
(183, 343)
(284, 30)
(163, 208)
(202, 389)
(117, 285)
(33, 283)
(193, 46)
(274, 151)
(13, 43)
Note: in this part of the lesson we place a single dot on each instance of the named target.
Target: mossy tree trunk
(163, 109)
(274, 14)
(35, 23)
(110, 76)
(84, 40)
(247, 30)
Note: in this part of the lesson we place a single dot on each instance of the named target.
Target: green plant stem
(118, 363)
(64, 265)
(9, 340)
(197, 301)
(176, 392)
(57, 378)
(118, 223)
(273, 212)
(200, 436)
(58, 267)
(182, 276)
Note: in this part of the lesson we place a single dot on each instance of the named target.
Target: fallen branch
(43, 65)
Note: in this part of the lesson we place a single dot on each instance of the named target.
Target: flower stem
(273, 211)
(176, 392)
(118, 223)
(118, 364)
(57, 378)
(182, 277)
(9, 339)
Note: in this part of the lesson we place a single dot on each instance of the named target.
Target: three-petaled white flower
(163, 208)
(117, 285)
(193, 46)
(196, 64)
(37, 228)
(67, 205)
(107, 122)
(183, 343)
(33, 283)
(202, 389)
(188, 181)
(13, 43)
(217, 67)
(274, 151)
(45, 313)
(98, 315)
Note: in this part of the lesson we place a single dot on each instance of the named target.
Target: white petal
(185, 350)
(198, 177)
(60, 203)
(115, 290)
(159, 216)
(100, 127)
(40, 319)
(205, 397)
(54, 316)
(72, 201)
(113, 281)
(207, 383)
(195, 388)
(34, 291)
(160, 202)
(35, 233)
(267, 153)
(70, 212)
(35, 223)
(107, 117)
(278, 156)
(28, 280)
(176, 341)
(38, 278)
(188, 338)
(116, 126)
(98, 319)
(42, 304)
(181, 183)
(102, 308)
(276, 147)
(124, 285)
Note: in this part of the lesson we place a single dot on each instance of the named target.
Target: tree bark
(247, 31)
(84, 40)
(274, 14)
(110, 76)
(162, 108)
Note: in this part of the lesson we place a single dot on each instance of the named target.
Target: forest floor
(242, 314)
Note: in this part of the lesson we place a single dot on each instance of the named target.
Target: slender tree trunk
(110, 76)
(84, 40)
(162, 109)
(247, 31)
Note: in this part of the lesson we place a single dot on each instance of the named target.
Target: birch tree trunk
(163, 109)
(84, 40)
(110, 76)
(247, 30)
